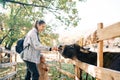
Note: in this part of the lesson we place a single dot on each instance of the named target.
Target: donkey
(74, 51)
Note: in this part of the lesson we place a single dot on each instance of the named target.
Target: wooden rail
(8, 75)
(98, 72)
(11, 64)
(109, 32)
(4, 65)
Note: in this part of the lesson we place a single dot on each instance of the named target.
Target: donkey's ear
(60, 47)
(83, 50)
(87, 49)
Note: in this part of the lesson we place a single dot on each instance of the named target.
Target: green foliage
(89, 76)
(47, 36)
(56, 74)
(2, 2)
(64, 10)
(23, 13)
(14, 25)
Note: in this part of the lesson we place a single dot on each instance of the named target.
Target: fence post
(60, 67)
(10, 57)
(100, 49)
(78, 71)
(0, 58)
(16, 62)
(0, 55)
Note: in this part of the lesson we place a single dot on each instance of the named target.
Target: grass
(66, 67)
(54, 74)
(4, 71)
(21, 67)
(58, 76)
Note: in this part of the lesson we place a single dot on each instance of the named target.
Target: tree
(22, 14)
(57, 7)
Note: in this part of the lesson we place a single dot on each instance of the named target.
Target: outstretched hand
(54, 48)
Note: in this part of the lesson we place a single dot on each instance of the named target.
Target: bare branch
(1, 40)
(21, 3)
(17, 13)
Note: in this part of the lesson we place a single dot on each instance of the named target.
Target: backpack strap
(26, 47)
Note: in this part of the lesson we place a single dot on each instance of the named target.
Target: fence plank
(66, 73)
(77, 72)
(12, 64)
(100, 49)
(107, 74)
(3, 65)
(109, 32)
(8, 76)
(98, 72)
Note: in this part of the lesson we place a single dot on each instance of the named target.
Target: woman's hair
(39, 22)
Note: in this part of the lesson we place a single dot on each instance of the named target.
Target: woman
(32, 54)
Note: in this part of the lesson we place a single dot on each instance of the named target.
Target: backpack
(19, 47)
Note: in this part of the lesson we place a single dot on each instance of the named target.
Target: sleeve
(36, 43)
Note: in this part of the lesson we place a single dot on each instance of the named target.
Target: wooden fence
(8, 63)
(98, 71)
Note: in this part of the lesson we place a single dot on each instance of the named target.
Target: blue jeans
(32, 71)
